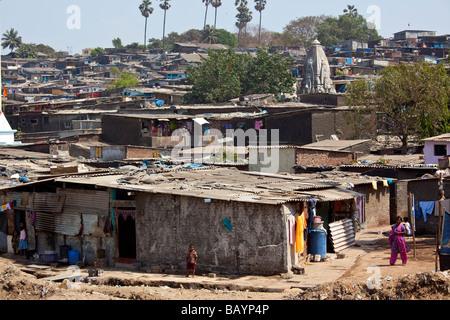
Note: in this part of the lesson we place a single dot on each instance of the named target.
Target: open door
(127, 234)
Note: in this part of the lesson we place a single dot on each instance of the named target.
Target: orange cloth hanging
(299, 237)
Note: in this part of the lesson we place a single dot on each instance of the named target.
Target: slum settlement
(90, 172)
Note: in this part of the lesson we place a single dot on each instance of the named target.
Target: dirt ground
(369, 278)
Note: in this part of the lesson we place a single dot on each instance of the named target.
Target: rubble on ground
(420, 286)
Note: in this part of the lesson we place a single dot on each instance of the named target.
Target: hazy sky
(100, 21)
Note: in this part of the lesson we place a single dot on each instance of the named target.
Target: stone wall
(166, 225)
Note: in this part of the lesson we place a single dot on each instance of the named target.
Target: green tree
(210, 35)
(146, 11)
(216, 4)
(207, 3)
(216, 80)
(350, 26)
(243, 17)
(165, 5)
(115, 72)
(226, 75)
(260, 5)
(117, 43)
(269, 72)
(192, 35)
(301, 31)
(227, 38)
(155, 43)
(26, 51)
(408, 100)
(44, 49)
(351, 11)
(11, 39)
(125, 80)
(97, 52)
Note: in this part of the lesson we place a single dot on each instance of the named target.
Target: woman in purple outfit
(397, 242)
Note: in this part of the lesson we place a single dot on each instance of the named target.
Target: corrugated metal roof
(342, 234)
(442, 138)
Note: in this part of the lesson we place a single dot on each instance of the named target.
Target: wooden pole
(438, 231)
(413, 222)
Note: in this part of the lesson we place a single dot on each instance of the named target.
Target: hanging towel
(227, 224)
(33, 218)
(292, 234)
(385, 183)
(374, 185)
(445, 206)
(425, 208)
(300, 238)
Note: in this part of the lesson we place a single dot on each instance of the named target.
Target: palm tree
(351, 11)
(260, 6)
(216, 4)
(207, 3)
(210, 35)
(11, 39)
(146, 11)
(244, 16)
(165, 6)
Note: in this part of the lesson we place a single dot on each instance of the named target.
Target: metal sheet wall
(86, 201)
(67, 223)
(48, 202)
(45, 221)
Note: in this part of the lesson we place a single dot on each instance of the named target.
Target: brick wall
(134, 152)
(319, 158)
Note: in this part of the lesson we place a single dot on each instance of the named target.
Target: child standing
(15, 242)
(191, 261)
(23, 243)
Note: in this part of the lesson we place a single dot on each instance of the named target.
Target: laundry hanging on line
(8, 206)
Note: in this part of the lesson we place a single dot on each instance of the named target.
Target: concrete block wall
(166, 225)
(426, 190)
(86, 246)
(377, 207)
(423, 190)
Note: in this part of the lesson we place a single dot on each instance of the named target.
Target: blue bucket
(74, 256)
(318, 243)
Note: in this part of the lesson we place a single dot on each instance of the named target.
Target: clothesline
(8, 206)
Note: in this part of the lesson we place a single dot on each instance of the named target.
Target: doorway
(127, 236)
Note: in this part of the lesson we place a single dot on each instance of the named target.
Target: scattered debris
(420, 286)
